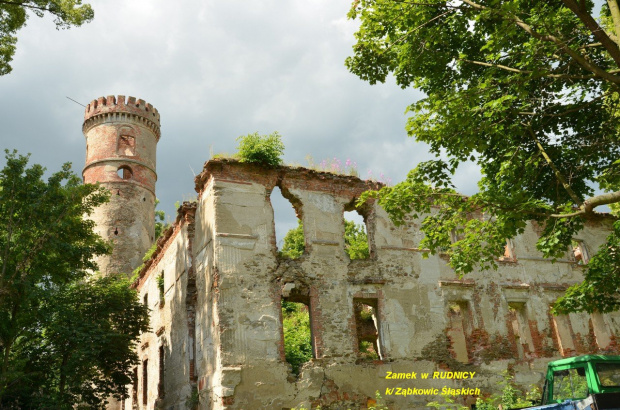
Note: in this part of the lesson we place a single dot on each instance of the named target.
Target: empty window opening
(519, 324)
(563, 337)
(134, 393)
(124, 172)
(366, 326)
(601, 332)
(298, 341)
(145, 383)
(160, 386)
(579, 252)
(115, 231)
(145, 299)
(126, 145)
(289, 229)
(509, 252)
(458, 316)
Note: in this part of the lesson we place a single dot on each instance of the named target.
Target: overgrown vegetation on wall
(261, 149)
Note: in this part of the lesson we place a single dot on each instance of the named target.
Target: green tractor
(589, 382)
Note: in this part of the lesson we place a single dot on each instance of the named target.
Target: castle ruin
(215, 284)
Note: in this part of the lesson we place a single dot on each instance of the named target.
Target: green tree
(64, 339)
(261, 149)
(14, 13)
(529, 91)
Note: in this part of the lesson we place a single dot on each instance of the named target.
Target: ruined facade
(215, 284)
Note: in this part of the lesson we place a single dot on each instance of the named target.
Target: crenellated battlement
(112, 104)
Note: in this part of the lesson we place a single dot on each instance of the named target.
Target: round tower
(121, 141)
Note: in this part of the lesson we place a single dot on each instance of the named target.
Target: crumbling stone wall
(221, 323)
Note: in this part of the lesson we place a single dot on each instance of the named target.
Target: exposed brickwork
(299, 178)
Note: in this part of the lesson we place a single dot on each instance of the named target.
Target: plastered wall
(220, 322)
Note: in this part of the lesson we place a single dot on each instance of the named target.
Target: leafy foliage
(261, 149)
(81, 350)
(13, 16)
(297, 343)
(56, 348)
(528, 91)
(599, 291)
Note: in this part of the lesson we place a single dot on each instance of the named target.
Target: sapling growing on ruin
(261, 149)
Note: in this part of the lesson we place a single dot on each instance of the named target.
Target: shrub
(261, 149)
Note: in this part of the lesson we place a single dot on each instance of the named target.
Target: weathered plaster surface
(221, 323)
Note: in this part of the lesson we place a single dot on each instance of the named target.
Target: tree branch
(589, 204)
(413, 30)
(577, 57)
(550, 75)
(615, 16)
(598, 32)
(25, 4)
(556, 171)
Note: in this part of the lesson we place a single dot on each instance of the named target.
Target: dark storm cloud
(214, 70)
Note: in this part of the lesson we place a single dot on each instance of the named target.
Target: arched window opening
(124, 172)
(355, 236)
(289, 229)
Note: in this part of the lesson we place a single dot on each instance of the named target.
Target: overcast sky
(215, 70)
